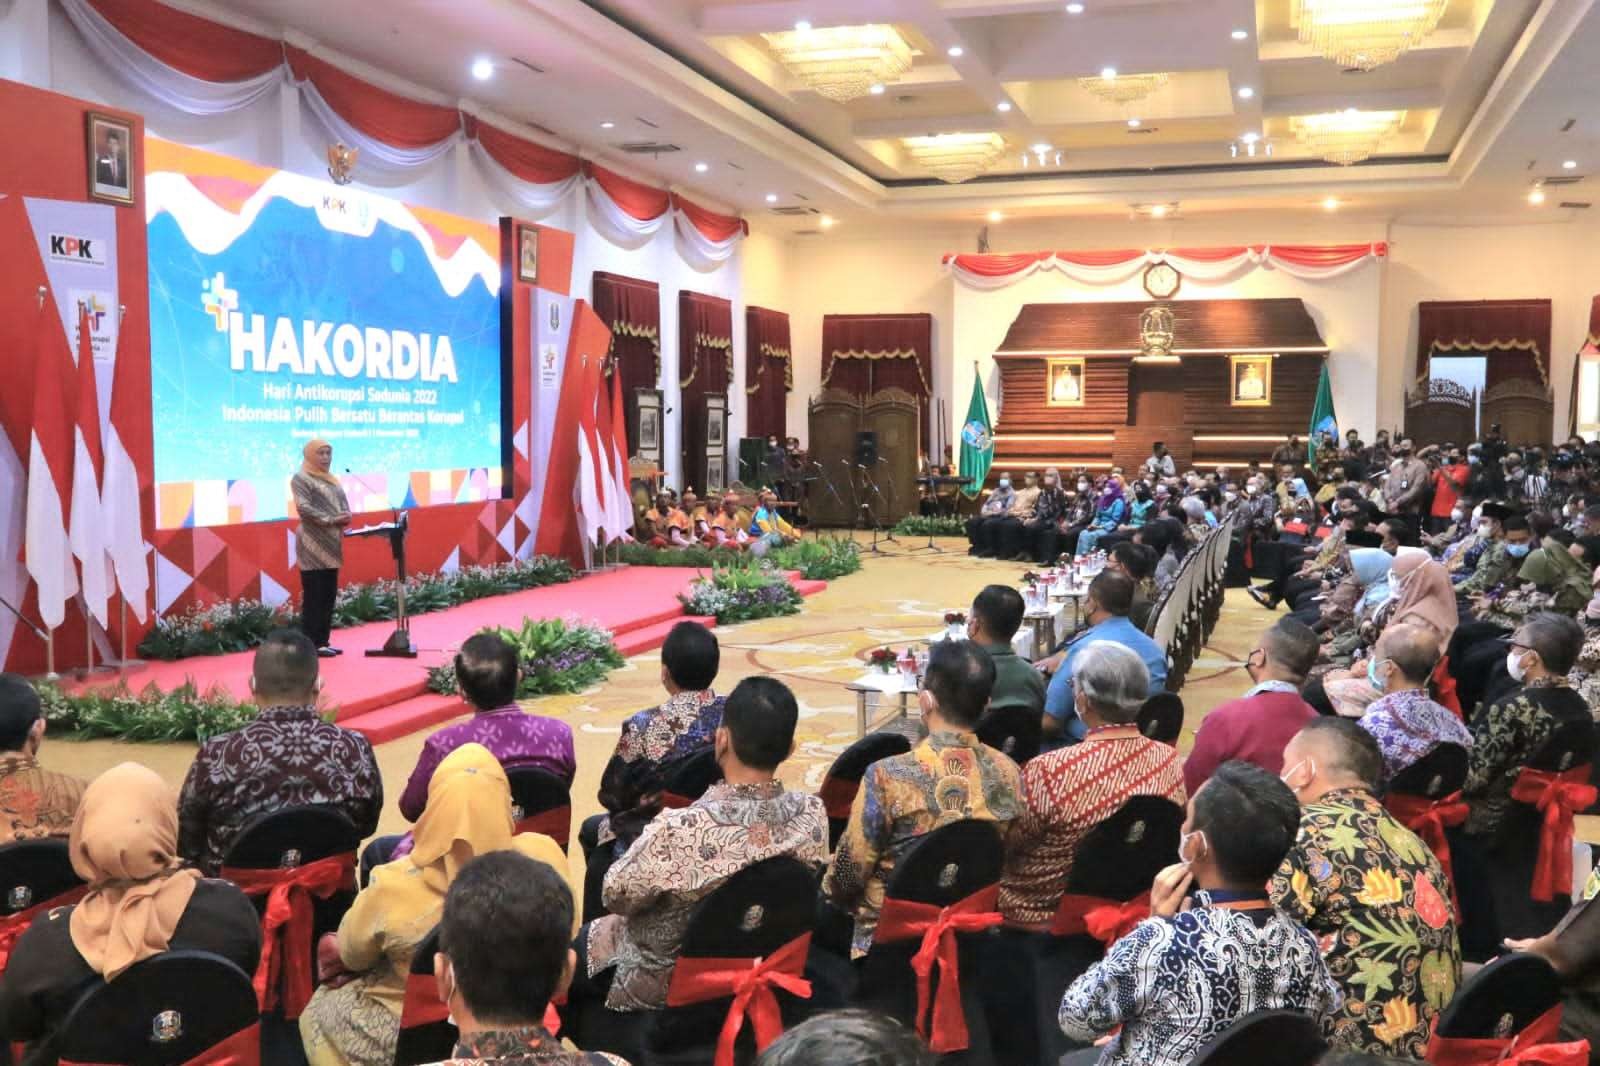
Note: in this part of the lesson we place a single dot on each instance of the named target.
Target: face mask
(1457, 515)
(1485, 530)
(1251, 490)
(1284, 777)
(1372, 669)
(1083, 486)
(1517, 551)
(1005, 483)
(1473, 460)
(1230, 496)
(1183, 845)
(1514, 665)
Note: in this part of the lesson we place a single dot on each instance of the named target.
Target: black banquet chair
(843, 779)
(541, 802)
(1013, 731)
(1161, 717)
(1513, 1000)
(35, 876)
(426, 1033)
(1281, 1037)
(688, 777)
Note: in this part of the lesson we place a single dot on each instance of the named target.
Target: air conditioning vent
(645, 122)
(1576, 205)
(808, 233)
(1142, 130)
(796, 212)
(1563, 179)
(536, 68)
(648, 148)
(732, 165)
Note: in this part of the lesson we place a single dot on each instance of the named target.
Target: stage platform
(388, 698)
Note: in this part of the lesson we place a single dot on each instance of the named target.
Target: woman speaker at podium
(319, 541)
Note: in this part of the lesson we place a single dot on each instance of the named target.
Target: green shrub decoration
(556, 656)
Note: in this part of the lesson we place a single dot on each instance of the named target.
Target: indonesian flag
(50, 481)
(119, 492)
(571, 510)
(589, 494)
(88, 525)
(616, 490)
(619, 454)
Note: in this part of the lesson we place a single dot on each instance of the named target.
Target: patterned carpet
(893, 600)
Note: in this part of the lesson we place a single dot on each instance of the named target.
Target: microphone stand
(894, 502)
(43, 634)
(822, 472)
(867, 512)
(933, 489)
(855, 498)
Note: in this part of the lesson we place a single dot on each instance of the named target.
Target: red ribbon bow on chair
(903, 920)
(1558, 797)
(1429, 819)
(12, 926)
(1531, 1047)
(1106, 920)
(286, 923)
(750, 983)
(555, 823)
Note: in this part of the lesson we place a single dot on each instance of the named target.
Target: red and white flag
(45, 550)
(589, 492)
(619, 454)
(616, 490)
(88, 537)
(119, 492)
(566, 525)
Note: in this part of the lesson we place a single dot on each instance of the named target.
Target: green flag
(1322, 419)
(977, 445)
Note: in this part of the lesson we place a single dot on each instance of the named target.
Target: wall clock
(1161, 280)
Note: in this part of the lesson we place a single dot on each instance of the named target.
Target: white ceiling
(1487, 95)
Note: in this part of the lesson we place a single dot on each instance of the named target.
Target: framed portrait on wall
(649, 406)
(716, 425)
(110, 155)
(716, 476)
(1250, 380)
(1064, 383)
(528, 254)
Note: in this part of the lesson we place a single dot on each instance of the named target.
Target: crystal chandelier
(956, 157)
(1364, 33)
(1123, 88)
(1348, 136)
(842, 62)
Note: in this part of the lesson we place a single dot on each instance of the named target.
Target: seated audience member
(980, 528)
(354, 1018)
(695, 512)
(1419, 594)
(1371, 890)
(1105, 608)
(1507, 541)
(949, 776)
(1208, 957)
(35, 802)
(630, 786)
(726, 529)
(1066, 793)
(857, 1037)
(1551, 578)
(1110, 511)
(142, 900)
(685, 855)
(1404, 721)
(1255, 727)
(1138, 562)
(994, 618)
(665, 525)
(767, 526)
(287, 757)
(1509, 731)
(504, 953)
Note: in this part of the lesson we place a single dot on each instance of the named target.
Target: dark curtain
(768, 372)
(631, 309)
(864, 353)
(1512, 335)
(705, 368)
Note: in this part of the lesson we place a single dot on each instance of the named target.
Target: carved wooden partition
(835, 418)
(1523, 407)
(1446, 412)
(894, 414)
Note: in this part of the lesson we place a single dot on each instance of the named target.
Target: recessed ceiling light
(1003, 106)
(482, 68)
(876, 90)
(1570, 164)
(701, 168)
(1108, 73)
(826, 222)
(1331, 203)
(772, 197)
(1240, 35)
(802, 25)
(955, 51)
(995, 216)
(1158, 211)
(1250, 138)
(1041, 148)
(1536, 197)
(1134, 123)
(608, 125)
(1074, 9)
(1246, 92)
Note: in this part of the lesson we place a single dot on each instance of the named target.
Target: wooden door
(831, 495)
(894, 415)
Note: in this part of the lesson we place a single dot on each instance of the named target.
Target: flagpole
(50, 656)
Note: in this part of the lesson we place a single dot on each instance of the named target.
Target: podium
(398, 646)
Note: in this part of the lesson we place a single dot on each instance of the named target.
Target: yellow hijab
(124, 842)
(309, 467)
(468, 813)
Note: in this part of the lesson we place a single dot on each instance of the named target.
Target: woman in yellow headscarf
(324, 511)
(141, 901)
(467, 814)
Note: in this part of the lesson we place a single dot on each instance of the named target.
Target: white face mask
(1485, 530)
(1514, 665)
(1083, 486)
(1284, 777)
(1230, 496)
(1251, 490)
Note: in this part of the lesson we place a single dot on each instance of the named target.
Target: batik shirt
(35, 802)
(1493, 567)
(1377, 898)
(287, 757)
(946, 778)
(1175, 983)
(1506, 734)
(318, 539)
(678, 860)
(1408, 725)
(529, 1045)
(650, 739)
(1065, 794)
(512, 736)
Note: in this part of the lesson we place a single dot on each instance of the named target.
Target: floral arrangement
(883, 659)
(238, 625)
(740, 593)
(955, 618)
(1030, 578)
(556, 657)
(816, 560)
(184, 713)
(917, 525)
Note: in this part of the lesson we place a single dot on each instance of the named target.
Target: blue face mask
(1005, 483)
(1517, 551)
(1372, 674)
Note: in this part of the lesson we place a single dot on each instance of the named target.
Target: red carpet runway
(388, 698)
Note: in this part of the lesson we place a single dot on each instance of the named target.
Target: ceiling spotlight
(1246, 93)
(1158, 211)
(826, 222)
(772, 197)
(1041, 148)
(1003, 106)
(1240, 35)
(1570, 164)
(876, 90)
(1134, 123)
(1074, 9)
(1108, 73)
(701, 168)
(995, 216)
(482, 68)
(1536, 197)
(955, 51)
(1331, 203)
(802, 25)
(608, 125)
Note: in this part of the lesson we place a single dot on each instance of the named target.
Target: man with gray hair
(1405, 721)
(1066, 793)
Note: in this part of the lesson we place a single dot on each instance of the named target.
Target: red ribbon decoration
(555, 823)
(1533, 1046)
(838, 795)
(422, 1004)
(286, 923)
(1107, 920)
(12, 926)
(902, 919)
(1558, 797)
(750, 982)
(671, 801)
(241, 1049)
(1429, 819)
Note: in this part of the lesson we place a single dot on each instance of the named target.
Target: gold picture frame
(1250, 380)
(528, 255)
(1064, 382)
(109, 153)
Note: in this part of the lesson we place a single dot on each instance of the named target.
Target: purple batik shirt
(512, 736)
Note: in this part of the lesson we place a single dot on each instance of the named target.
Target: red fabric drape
(1429, 819)
(13, 926)
(639, 200)
(937, 929)
(705, 368)
(768, 373)
(838, 795)
(711, 224)
(1513, 335)
(286, 928)
(241, 1049)
(1107, 920)
(555, 823)
(631, 310)
(389, 117)
(1534, 1046)
(523, 158)
(188, 43)
(864, 353)
(422, 1005)
(1557, 797)
(750, 982)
